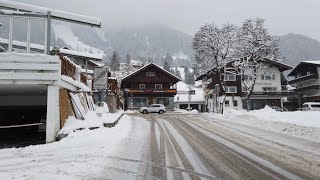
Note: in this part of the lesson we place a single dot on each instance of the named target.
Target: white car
(311, 106)
(153, 108)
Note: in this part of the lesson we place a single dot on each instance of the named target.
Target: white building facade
(266, 90)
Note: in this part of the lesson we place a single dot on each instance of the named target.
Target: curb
(110, 125)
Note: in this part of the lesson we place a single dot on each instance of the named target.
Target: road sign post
(101, 80)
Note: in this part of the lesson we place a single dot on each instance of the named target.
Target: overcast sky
(282, 16)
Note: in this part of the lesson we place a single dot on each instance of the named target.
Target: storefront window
(139, 102)
(166, 101)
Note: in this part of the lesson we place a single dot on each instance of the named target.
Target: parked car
(311, 106)
(279, 108)
(153, 108)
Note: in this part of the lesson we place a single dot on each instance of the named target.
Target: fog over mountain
(148, 30)
(296, 48)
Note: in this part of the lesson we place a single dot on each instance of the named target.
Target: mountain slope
(296, 48)
(147, 41)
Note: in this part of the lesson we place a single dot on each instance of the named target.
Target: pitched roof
(282, 67)
(315, 62)
(148, 65)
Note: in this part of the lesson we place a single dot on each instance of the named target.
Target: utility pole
(189, 97)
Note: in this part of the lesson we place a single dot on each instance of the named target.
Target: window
(226, 103)
(235, 103)
(269, 89)
(231, 89)
(139, 102)
(268, 77)
(150, 74)
(230, 77)
(315, 105)
(158, 86)
(247, 77)
(142, 86)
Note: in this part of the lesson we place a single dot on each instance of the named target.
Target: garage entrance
(23, 111)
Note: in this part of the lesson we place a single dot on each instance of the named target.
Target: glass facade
(166, 101)
(137, 102)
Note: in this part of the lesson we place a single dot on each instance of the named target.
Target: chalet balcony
(306, 88)
(304, 78)
(152, 91)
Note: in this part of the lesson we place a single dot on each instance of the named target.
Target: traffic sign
(100, 78)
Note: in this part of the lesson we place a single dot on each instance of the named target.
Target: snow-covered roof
(278, 63)
(81, 54)
(312, 62)
(136, 62)
(146, 66)
(55, 14)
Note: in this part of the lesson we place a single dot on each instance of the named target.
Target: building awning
(271, 94)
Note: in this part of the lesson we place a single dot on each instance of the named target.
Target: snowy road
(189, 147)
(169, 146)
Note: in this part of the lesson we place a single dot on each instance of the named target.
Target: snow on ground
(81, 155)
(91, 119)
(304, 124)
(64, 32)
(194, 111)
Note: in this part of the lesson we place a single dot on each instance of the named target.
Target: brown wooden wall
(237, 83)
(66, 108)
(141, 78)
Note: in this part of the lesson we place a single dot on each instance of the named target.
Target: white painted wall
(267, 70)
(231, 105)
(53, 113)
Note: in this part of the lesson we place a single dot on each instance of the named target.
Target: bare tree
(254, 46)
(214, 48)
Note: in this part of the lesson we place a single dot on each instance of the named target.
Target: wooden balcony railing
(304, 78)
(67, 68)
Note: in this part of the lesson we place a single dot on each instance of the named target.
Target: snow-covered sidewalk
(92, 120)
(304, 124)
(81, 155)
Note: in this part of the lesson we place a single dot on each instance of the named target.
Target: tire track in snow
(189, 157)
(171, 158)
(246, 156)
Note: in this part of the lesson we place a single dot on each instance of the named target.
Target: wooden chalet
(149, 85)
(306, 81)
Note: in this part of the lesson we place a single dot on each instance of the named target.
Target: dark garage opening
(22, 109)
(20, 126)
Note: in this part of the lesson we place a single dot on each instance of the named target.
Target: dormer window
(150, 74)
